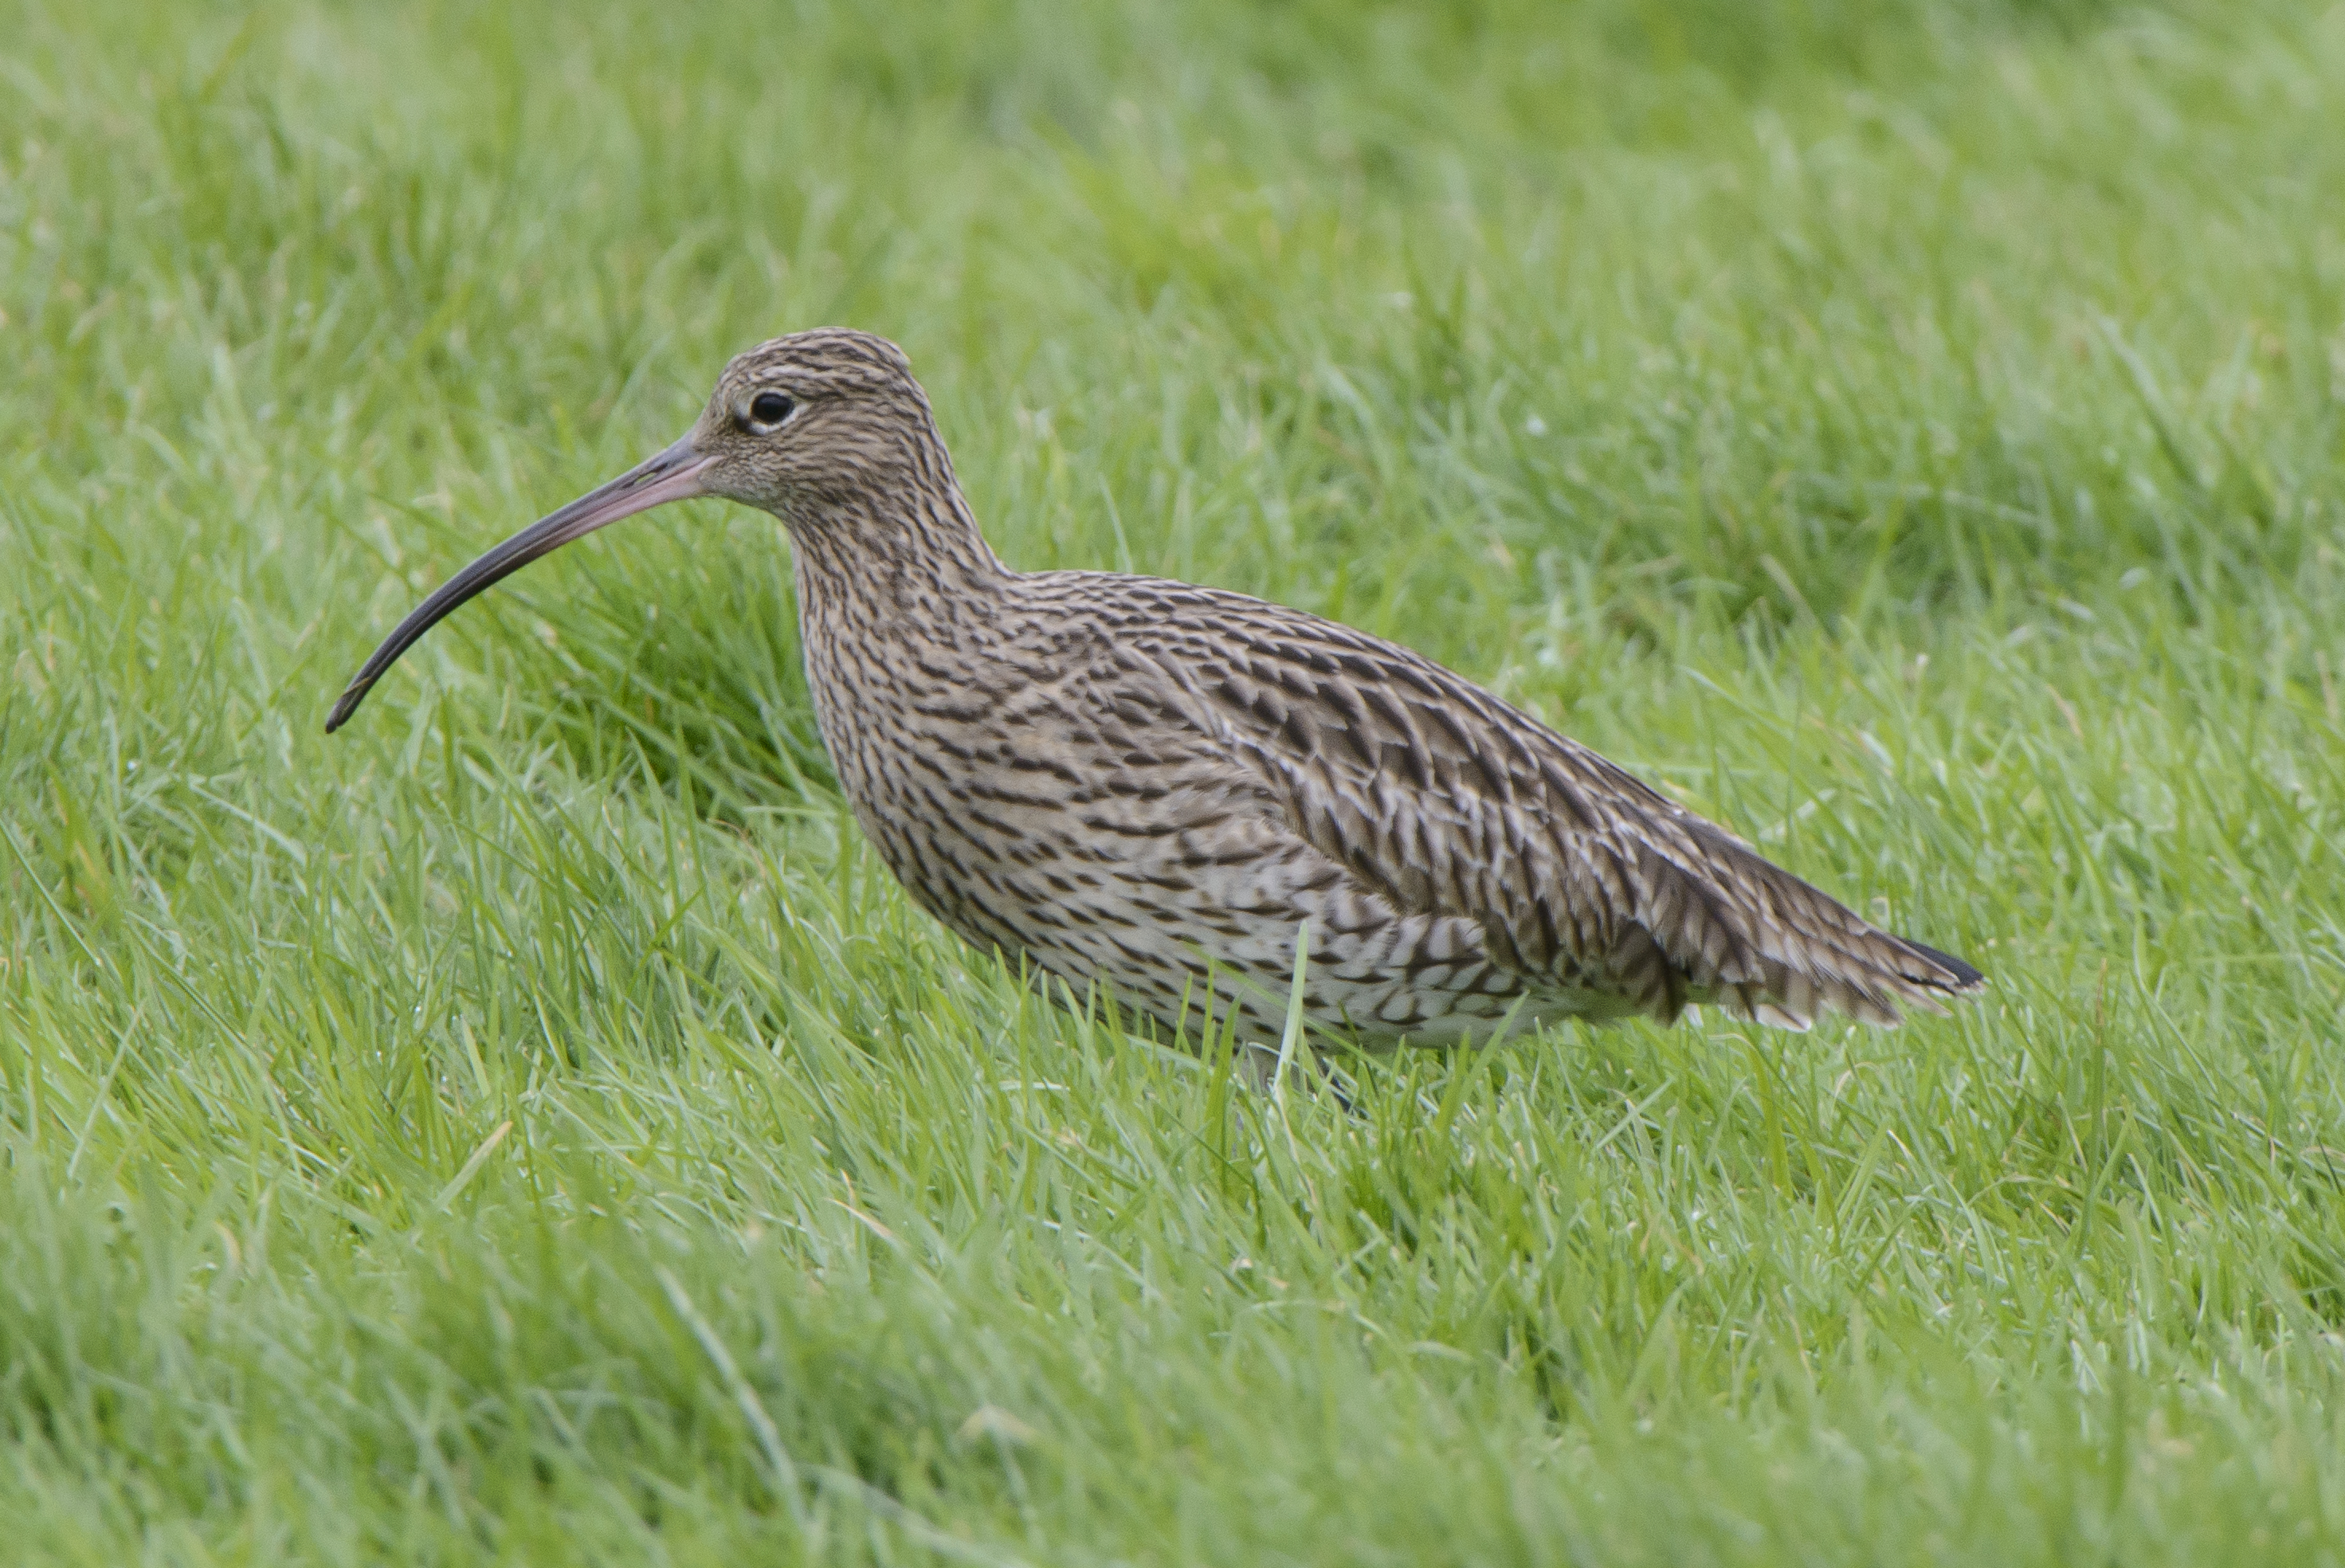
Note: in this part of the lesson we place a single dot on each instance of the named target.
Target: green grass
(531, 1127)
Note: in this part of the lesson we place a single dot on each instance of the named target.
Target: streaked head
(796, 426)
(815, 417)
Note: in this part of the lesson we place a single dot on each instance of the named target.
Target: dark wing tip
(1965, 977)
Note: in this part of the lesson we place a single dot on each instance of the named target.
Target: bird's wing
(1442, 798)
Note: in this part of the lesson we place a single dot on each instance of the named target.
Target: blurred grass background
(529, 1128)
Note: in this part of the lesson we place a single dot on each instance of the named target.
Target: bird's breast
(1023, 798)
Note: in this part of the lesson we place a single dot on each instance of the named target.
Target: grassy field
(531, 1127)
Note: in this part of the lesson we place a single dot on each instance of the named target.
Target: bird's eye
(767, 410)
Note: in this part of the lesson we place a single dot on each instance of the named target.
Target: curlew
(1156, 788)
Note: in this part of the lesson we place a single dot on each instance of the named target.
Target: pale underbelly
(1185, 906)
(1184, 942)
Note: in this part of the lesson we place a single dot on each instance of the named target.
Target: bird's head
(800, 427)
(810, 421)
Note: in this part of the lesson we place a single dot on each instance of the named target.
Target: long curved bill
(672, 475)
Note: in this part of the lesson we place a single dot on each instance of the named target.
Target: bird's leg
(1255, 1063)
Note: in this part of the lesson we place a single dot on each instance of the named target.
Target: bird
(1165, 793)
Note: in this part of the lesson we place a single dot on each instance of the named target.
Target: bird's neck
(910, 565)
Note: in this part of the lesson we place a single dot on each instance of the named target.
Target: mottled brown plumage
(1140, 783)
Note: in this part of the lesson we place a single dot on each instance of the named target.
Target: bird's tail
(1768, 947)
